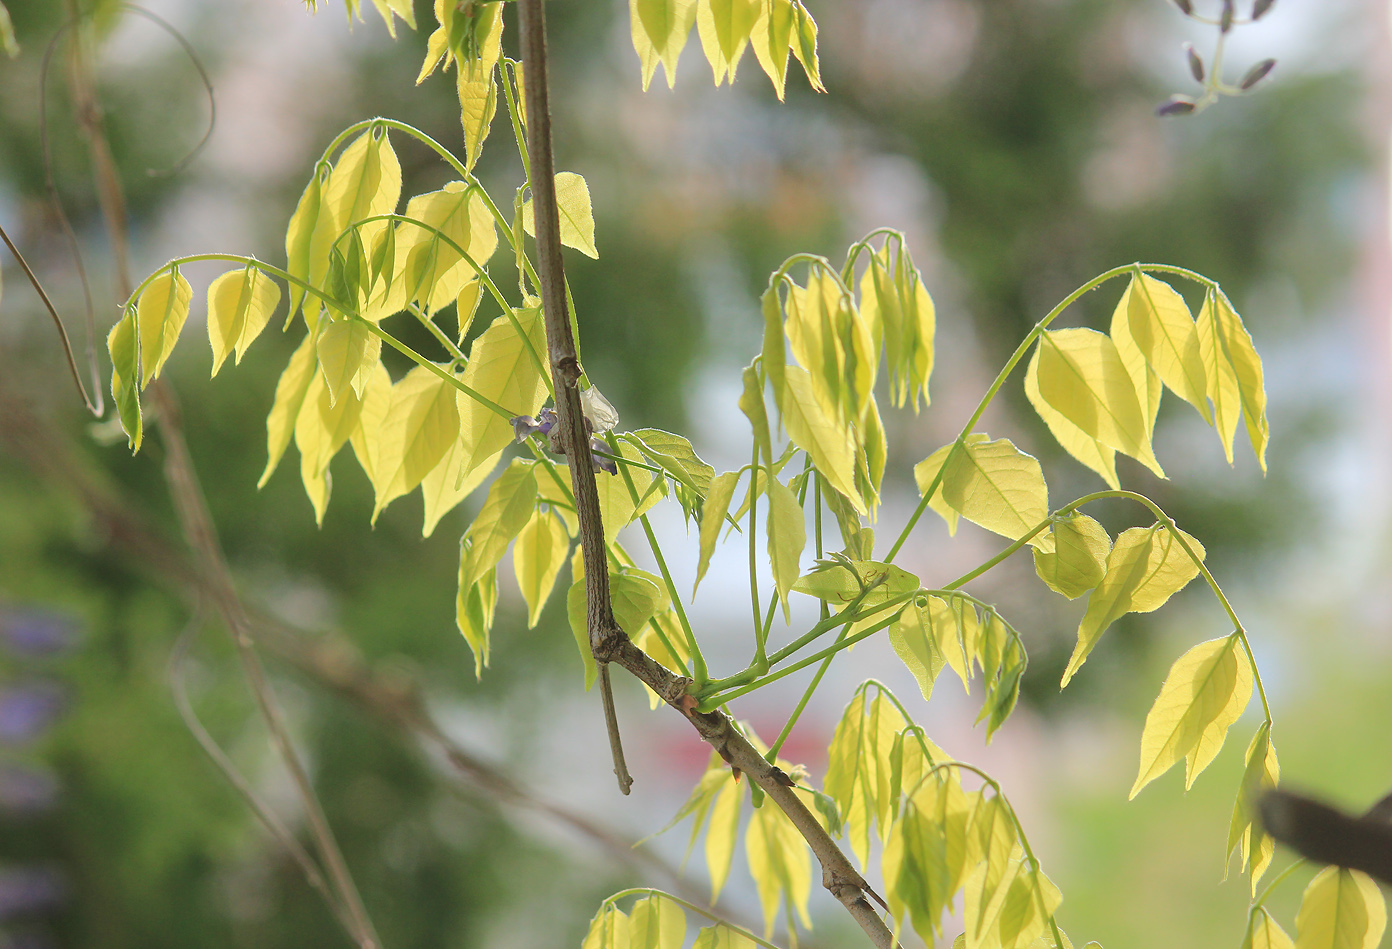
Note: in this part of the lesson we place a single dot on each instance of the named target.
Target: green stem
(455, 352)
(1275, 882)
(1014, 360)
(806, 697)
(509, 76)
(420, 360)
(854, 251)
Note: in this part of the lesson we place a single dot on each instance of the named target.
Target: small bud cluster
(525, 426)
(1213, 83)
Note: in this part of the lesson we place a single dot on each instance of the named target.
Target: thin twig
(608, 642)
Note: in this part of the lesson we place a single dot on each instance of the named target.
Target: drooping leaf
(289, 400)
(1079, 558)
(473, 610)
(617, 507)
(676, 456)
(1262, 772)
(240, 303)
(1089, 451)
(830, 445)
(724, 27)
(751, 403)
(577, 217)
(298, 238)
(1234, 374)
(421, 424)
(723, 831)
(608, 929)
(1205, 692)
(1164, 331)
(660, 29)
(348, 350)
(509, 506)
(858, 773)
(1146, 567)
(787, 537)
(997, 486)
(655, 922)
(441, 489)
(926, 473)
(366, 439)
(1341, 909)
(914, 643)
(804, 45)
(772, 39)
(123, 347)
(780, 864)
(897, 306)
(430, 269)
(478, 101)
(1263, 932)
(501, 368)
(722, 492)
(161, 311)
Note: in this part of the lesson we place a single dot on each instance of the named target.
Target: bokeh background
(1014, 142)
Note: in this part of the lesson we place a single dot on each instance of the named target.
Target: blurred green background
(1015, 143)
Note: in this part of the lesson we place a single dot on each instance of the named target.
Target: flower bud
(1229, 11)
(1185, 6)
(1175, 105)
(1195, 63)
(1256, 74)
(1261, 8)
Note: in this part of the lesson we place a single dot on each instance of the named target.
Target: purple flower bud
(523, 426)
(1185, 7)
(601, 462)
(27, 709)
(1261, 8)
(29, 890)
(1195, 63)
(546, 420)
(1229, 11)
(1175, 105)
(26, 790)
(1256, 74)
(36, 632)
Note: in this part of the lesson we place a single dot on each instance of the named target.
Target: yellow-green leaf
(655, 922)
(478, 101)
(501, 368)
(240, 303)
(636, 596)
(1234, 373)
(367, 437)
(660, 29)
(420, 425)
(771, 38)
(616, 505)
(537, 558)
(787, 536)
(829, 444)
(722, 492)
(1081, 375)
(779, 863)
(161, 311)
(997, 486)
(8, 45)
(1262, 772)
(1205, 692)
(123, 347)
(751, 403)
(507, 509)
(675, 455)
(926, 472)
(724, 27)
(608, 929)
(1164, 330)
(804, 45)
(441, 489)
(1146, 567)
(1264, 933)
(1079, 558)
(429, 270)
(1078, 443)
(1341, 909)
(858, 767)
(913, 641)
(722, 937)
(348, 350)
(289, 399)
(577, 217)
(299, 235)
(723, 831)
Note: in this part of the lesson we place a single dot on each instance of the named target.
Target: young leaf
(858, 772)
(751, 403)
(1081, 375)
(298, 237)
(1264, 933)
(1078, 443)
(996, 485)
(577, 218)
(722, 937)
(430, 270)
(660, 29)
(478, 101)
(779, 863)
(161, 310)
(347, 352)
(1205, 692)
(914, 643)
(1146, 381)
(1146, 567)
(724, 27)
(772, 38)
(676, 456)
(366, 439)
(773, 356)
(656, 923)
(787, 537)
(122, 344)
(616, 505)
(842, 582)
(576, 613)
(608, 929)
(441, 489)
(1341, 909)
(240, 303)
(805, 45)
(830, 445)
(1234, 374)
(1160, 324)
(509, 506)
(420, 426)
(927, 470)
(723, 831)
(636, 596)
(501, 368)
(289, 399)
(722, 492)
(1262, 772)
(1079, 558)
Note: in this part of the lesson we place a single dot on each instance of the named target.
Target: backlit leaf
(660, 29)
(1079, 558)
(240, 303)
(507, 509)
(1205, 692)
(722, 492)
(616, 505)
(829, 445)
(1146, 567)
(724, 27)
(1078, 443)
(441, 489)
(656, 923)
(804, 45)
(676, 456)
(723, 831)
(1160, 324)
(997, 486)
(1262, 772)
(722, 937)
(772, 38)
(348, 350)
(577, 217)
(501, 368)
(787, 537)
(858, 772)
(421, 424)
(430, 270)
(367, 438)
(121, 344)
(1234, 374)
(298, 237)
(478, 101)
(608, 929)
(1341, 909)
(289, 399)
(751, 403)
(1264, 933)
(926, 472)
(913, 642)
(161, 311)
(779, 862)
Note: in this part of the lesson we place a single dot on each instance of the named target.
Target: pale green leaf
(537, 558)
(1261, 773)
(240, 303)
(779, 862)
(298, 237)
(1146, 381)
(771, 38)
(478, 101)
(722, 937)
(429, 269)
(348, 350)
(576, 613)
(1164, 330)
(507, 509)
(1341, 909)
(751, 403)
(122, 345)
(676, 456)
(724, 27)
(723, 831)
(787, 537)
(655, 922)
(829, 444)
(636, 596)
(1264, 933)
(1079, 558)
(577, 217)
(1234, 372)
(289, 399)
(913, 641)
(8, 45)
(660, 29)
(1146, 566)
(997, 486)
(1078, 443)
(421, 424)
(1081, 375)
(616, 505)
(773, 357)
(858, 771)
(804, 45)
(722, 492)
(441, 489)
(841, 582)
(1207, 689)
(473, 610)
(926, 472)
(608, 930)
(161, 311)
(501, 368)
(367, 438)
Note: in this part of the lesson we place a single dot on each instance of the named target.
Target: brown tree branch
(608, 642)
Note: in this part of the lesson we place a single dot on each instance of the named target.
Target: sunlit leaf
(804, 45)
(441, 489)
(676, 456)
(779, 862)
(298, 237)
(751, 403)
(723, 831)
(421, 424)
(913, 642)
(1146, 566)
(1079, 558)
(655, 922)
(507, 509)
(660, 29)
(1205, 692)
(722, 937)
(1264, 933)
(616, 505)
(1261, 773)
(608, 929)
(1341, 909)
(429, 270)
(724, 27)
(366, 439)
(289, 399)
(348, 350)
(722, 492)
(576, 215)
(161, 311)
(829, 444)
(478, 101)
(926, 472)
(501, 368)
(787, 537)
(240, 303)
(858, 773)
(997, 486)
(537, 558)
(772, 37)
(1234, 374)
(1078, 443)
(1164, 330)
(121, 344)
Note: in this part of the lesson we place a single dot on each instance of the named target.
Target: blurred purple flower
(601, 463)
(28, 708)
(36, 632)
(25, 790)
(29, 890)
(524, 425)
